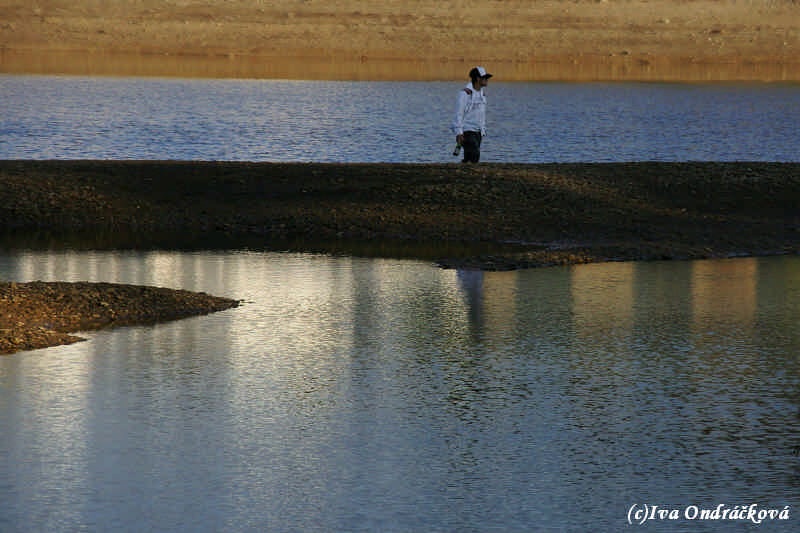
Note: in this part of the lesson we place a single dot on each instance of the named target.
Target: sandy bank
(694, 40)
(37, 315)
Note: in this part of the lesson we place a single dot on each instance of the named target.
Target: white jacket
(470, 111)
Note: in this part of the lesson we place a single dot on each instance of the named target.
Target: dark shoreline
(490, 216)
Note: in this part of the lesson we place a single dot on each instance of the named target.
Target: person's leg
(472, 147)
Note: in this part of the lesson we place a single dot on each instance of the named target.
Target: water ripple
(46, 117)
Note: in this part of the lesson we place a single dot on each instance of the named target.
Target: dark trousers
(472, 146)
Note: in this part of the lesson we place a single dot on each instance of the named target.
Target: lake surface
(351, 394)
(50, 117)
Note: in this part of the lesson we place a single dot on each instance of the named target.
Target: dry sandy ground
(680, 40)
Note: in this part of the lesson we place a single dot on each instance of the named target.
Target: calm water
(383, 395)
(45, 117)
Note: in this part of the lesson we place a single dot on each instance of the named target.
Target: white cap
(479, 72)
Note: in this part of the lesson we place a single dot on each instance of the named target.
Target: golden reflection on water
(725, 291)
(600, 298)
(603, 297)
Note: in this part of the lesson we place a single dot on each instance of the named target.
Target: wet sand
(487, 216)
(577, 40)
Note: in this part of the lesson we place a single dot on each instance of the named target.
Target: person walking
(469, 124)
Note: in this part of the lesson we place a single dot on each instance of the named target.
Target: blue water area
(47, 117)
(350, 394)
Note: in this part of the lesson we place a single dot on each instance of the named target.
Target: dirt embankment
(685, 40)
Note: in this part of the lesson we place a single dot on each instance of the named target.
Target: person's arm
(458, 120)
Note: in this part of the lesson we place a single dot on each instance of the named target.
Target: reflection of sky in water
(268, 120)
(392, 395)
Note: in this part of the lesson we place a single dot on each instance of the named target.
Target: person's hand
(460, 139)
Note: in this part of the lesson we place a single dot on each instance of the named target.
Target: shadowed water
(382, 395)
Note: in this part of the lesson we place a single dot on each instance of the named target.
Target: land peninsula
(41, 314)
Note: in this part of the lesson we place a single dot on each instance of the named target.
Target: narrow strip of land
(491, 216)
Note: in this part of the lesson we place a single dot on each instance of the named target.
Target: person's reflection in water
(471, 284)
